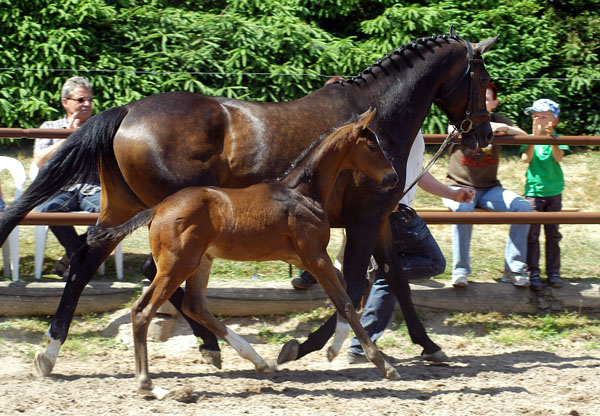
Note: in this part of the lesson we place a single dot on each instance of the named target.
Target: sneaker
(517, 279)
(535, 282)
(61, 266)
(459, 280)
(361, 358)
(304, 281)
(554, 280)
(357, 358)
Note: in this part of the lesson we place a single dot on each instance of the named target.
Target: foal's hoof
(212, 357)
(391, 373)
(156, 392)
(289, 352)
(436, 357)
(332, 353)
(43, 364)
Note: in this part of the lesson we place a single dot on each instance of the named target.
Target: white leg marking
(52, 349)
(342, 329)
(44, 361)
(245, 350)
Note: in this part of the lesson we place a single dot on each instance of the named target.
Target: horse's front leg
(83, 265)
(389, 262)
(323, 270)
(210, 348)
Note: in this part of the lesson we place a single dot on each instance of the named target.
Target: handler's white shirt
(414, 166)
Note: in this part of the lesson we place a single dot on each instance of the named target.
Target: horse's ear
(484, 46)
(365, 118)
(453, 31)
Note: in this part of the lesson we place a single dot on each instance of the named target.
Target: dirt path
(482, 379)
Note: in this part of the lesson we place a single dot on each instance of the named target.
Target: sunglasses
(81, 100)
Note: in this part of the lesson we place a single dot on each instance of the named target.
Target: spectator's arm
(433, 186)
(40, 157)
(527, 154)
(557, 153)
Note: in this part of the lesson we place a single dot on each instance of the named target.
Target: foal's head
(365, 154)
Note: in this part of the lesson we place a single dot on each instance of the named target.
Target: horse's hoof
(156, 392)
(264, 368)
(289, 352)
(436, 357)
(392, 374)
(332, 353)
(43, 364)
(212, 357)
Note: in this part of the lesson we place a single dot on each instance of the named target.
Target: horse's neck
(403, 86)
(316, 174)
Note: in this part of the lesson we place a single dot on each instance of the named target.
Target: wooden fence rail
(430, 217)
(17, 133)
(435, 217)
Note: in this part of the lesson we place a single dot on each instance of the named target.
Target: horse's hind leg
(195, 306)
(210, 348)
(84, 264)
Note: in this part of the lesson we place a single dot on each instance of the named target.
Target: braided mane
(413, 46)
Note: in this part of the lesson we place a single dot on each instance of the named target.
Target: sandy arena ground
(483, 378)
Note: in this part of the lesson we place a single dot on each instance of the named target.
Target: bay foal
(274, 220)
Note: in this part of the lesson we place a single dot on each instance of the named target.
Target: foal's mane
(438, 40)
(306, 152)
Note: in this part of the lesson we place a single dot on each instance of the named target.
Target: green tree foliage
(281, 50)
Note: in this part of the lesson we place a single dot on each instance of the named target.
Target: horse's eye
(372, 146)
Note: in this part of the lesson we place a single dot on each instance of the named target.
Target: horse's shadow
(411, 370)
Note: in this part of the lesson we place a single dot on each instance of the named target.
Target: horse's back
(174, 140)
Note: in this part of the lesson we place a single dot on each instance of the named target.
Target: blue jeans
(495, 199)
(420, 257)
(68, 201)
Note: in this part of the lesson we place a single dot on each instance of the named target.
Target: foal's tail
(98, 236)
(76, 161)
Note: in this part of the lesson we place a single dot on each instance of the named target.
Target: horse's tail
(98, 236)
(76, 161)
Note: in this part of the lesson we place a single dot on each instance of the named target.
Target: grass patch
(510, 330)
(272, 337)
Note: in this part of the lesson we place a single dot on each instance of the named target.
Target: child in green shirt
(543, 191)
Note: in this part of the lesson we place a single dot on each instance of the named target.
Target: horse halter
(465, 125)
(462, 126)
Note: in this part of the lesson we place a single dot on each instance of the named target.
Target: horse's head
(462, 97)
(367, 155)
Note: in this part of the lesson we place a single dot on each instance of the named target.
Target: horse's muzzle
(390, 180)
(480, 136)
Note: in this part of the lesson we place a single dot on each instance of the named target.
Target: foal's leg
(142, 311)
(83, 264)
(342, 329)
(195, 306)
(322, 268)
(210, 348)
(359, 244)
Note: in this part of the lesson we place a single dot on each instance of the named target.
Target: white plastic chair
(10, 250)
(41, 232)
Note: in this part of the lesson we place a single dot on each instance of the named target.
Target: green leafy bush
(282, 50)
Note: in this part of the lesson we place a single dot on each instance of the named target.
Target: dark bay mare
(156, 146)
(281, 219)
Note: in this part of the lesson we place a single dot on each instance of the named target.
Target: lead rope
(452, 136)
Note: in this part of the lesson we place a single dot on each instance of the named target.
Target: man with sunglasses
(76, 99)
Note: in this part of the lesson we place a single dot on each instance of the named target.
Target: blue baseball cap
(543, 104)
